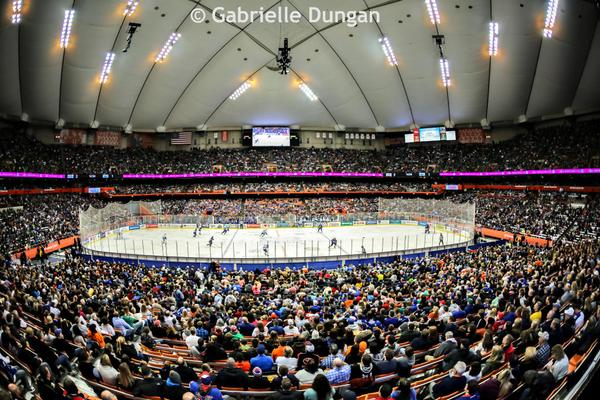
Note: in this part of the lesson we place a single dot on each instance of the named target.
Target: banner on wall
(72, 136)
(143, 140)
(224, 136)
(107, 138)
(471, 135)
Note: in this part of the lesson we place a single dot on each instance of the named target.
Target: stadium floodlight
(239, 91)
(551, 10)
(65, 34)
(107, 67)
(445, 70)
(17, 9)
(166, 49)
(432, 9)
(308, 92)
(388, 51)
(130, 7)
(493, 39)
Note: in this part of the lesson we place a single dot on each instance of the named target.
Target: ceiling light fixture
(239, 91)
(551, 9)
(432, 9)
(445, 70)
(107, 67)
(164, 52)
(389, 52)
(493, 39)
(308, 92)
(130, 7)
(65, 34)
(17, 9)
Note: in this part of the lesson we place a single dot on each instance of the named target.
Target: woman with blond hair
(125, 379)
(494, 361)
(104, 370)
(529, 362)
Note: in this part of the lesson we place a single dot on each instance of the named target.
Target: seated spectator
(70, 390)
(506, 385)
(528, 362)
(320, 390)
(186, 372)
(447, 345)
(231, 376)
(474, 372)
(125, 379)
(365, 369)
(149, 385)
(207, 390)
(452, 383)
(472, 391)
(507, 347)
(287, 359)
(264, 362)
(283, 372)
(214, 351)
(286, 392)
(494, 361)
(308, 373)
(538, 384)
(340, 372)
(291, 329)
(404, 391)
(105, 371)
(172, 388)
(257, 380)
(389, 364)
(543, 349)
(308, 354)
(385, 392)
(334, 352)
(559, 367)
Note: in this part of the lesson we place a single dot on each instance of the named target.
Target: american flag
(181, 138)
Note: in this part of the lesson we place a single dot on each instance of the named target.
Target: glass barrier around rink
(398, 227)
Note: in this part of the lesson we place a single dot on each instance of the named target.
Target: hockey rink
(288, 243)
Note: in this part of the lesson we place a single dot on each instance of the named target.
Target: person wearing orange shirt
(96, 336)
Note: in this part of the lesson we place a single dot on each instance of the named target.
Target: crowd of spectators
(562, 146)
(284, 187)
(494, 318)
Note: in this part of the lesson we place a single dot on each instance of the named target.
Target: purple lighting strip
(254, 174)
(563, 171)
(30, 175)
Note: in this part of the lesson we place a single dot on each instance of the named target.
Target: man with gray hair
(454, 382)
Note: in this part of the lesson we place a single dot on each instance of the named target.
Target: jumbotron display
(270, 137)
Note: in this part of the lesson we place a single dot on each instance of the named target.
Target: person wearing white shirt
(107, 329)
(287, 359)
(105, 371)
(560, 362)
(191, 340)
(291, 329)
(260, 328)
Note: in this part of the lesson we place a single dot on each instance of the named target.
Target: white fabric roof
(355, 85)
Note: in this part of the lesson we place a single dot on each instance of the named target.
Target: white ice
(283, 243)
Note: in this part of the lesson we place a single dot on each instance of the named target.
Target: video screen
(409, 138)
(270, 137)
(431, 134)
